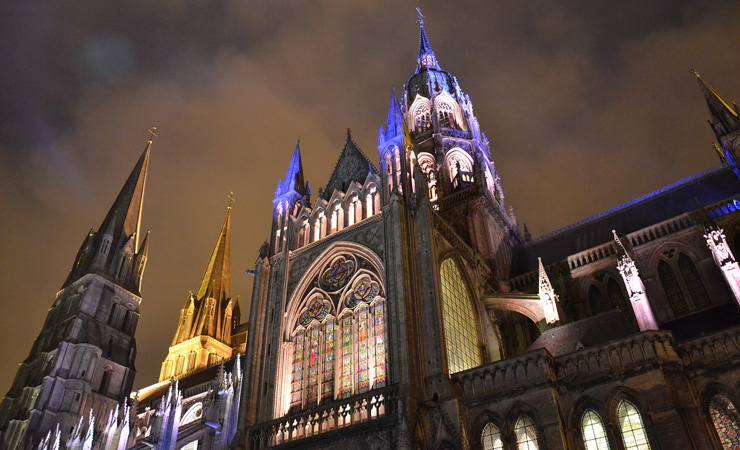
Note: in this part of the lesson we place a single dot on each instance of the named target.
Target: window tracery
(343, 320)
(460, 166)
(697, 292)
(726, 421)
(631, 427)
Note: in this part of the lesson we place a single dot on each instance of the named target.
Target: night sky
(586, 104)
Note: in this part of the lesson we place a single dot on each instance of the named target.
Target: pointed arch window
(596, 300)
(458, 319)
(592, 430)
(490, 438)
(631, 427)
(726, 421)
(693, 282)
(338, 355)
(526, 434)
(671, 288)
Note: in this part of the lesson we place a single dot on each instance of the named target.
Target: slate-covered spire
(217, 279)
(426, 57)
(722, 112)
(113, 251)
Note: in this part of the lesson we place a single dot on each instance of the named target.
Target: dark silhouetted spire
(394, 122)
(113, 251)
(724, 116)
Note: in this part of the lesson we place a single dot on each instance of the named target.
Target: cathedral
(402, 306)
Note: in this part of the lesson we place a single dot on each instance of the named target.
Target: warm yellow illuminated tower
(205, 332)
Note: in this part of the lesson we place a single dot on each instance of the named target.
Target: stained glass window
(338, 358)
(726, 422)
(490, 439)
(327, 391)
(313, 365)
(672, 290)
(458, 317)
(379, 334)
(631, 427)
(592, 429)
(297, 379)
(363, 372)
(693, 282)
(345, 387)
(526, 434)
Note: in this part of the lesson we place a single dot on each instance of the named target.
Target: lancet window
(338, 340)
(459, 320)
(671, 288)
(491, 438)
(371, 201)
(354, 209)
(526, 434)
(631, 427)
(460, 166)
(592, 430)
(693, 282)
(726, 421)
(446, 115)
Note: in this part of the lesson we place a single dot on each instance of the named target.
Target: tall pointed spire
(117, 237)
(426, 58)
(125, 214)
(294, 180)
(719, 109)
(217, 279)
(547, 296)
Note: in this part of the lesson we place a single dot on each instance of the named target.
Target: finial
(231, 198)
(153, 134)
(420, 16)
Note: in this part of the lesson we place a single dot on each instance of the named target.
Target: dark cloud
(586, 104)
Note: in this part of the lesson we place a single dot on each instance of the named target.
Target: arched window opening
(446, 114)
(693, 282)
(726, 421)
(105, 381)
(490, 439)
(671, 288)
(460, 166)
(459, 320)
(355, 338)
(592, 429)
(427, 164)
(336, 218)
(526, 434)
(631, 427)
(596, 300)
(422, 117)
(618, 300)
(371, 201)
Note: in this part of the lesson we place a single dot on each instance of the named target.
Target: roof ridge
(626, 205)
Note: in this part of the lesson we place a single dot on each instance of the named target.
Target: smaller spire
(294, 180)
(394, 121)
(426, 58)
(724, 116)
(547, 296)
(217, 279)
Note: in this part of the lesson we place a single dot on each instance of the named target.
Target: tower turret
(291, 193)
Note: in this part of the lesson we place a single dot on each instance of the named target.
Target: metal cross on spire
(153, 134)
(420, 16)
(231, 198)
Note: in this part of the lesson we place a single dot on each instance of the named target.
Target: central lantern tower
(367, 300)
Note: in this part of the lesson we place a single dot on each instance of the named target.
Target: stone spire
(635, 287)
(113, 251)
(394, 121)
(209, 313)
